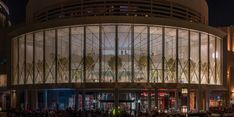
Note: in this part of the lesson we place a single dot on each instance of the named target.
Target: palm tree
(63, 67)
(142, 64)
(112, 62)
(89, 64)
(204, 69)
(171, 67)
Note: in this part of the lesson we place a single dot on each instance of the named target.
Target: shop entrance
(105, 101)
(166, 101)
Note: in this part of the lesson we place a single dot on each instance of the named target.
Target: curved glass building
(100, 54)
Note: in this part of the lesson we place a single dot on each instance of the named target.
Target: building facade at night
(4, 24)
(229, 58)
(135, 54)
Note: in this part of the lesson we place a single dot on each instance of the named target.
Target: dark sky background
(221, 12)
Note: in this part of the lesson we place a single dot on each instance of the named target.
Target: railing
(146, 8)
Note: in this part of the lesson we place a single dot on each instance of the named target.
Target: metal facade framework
(117, 53)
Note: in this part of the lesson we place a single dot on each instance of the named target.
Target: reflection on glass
(108, 54)
(204, 59)
(50, 56)
(39, 69)
(92, 54)
(77, 49)
(125, 53)
(218, 61)
(140, 54)
(21, 59)
(63, 55)
(194, 57)
(212, 57)
(170, 56)
(29, 59)
(183, 61)
(156, 55)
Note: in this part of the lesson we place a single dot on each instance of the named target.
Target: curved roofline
(5, 7)
(195, 10)
(22, 29)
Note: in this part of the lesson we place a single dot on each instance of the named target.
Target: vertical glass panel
(50, 56)
(63, 56)
(77, 49)
(156, 54)
(15, 61)
(170, 56)
(218, 62)
(108, 54)
(212, 56)
(29, 59)
(194, 58)
(125, 53)
(92, 54)
(204, 59)
(140, 54)
(21, 59)
(39, 69)
(183, 61)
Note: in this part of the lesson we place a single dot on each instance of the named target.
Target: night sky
(221, 12)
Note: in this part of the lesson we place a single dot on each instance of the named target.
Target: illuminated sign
(184, 91)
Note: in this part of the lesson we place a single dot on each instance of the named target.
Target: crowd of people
(118, 112)
(91, 113)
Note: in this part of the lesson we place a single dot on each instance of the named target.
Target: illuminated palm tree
(171, 67)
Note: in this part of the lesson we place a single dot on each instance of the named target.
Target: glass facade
(123, 53)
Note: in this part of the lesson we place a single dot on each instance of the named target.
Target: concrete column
(197, 100)
(188, 99)
(207, 99)
(177, 99)
(26, 99)
(18, 97)
(34, 98)
(200, 99)
(57, 99)
(83, 100)
(76, 100)
(45, 99)
(138, 104)
(13, 99)
(149, 99)
(116, 97)
(156, 97)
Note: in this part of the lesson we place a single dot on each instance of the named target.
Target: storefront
(132, 101)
